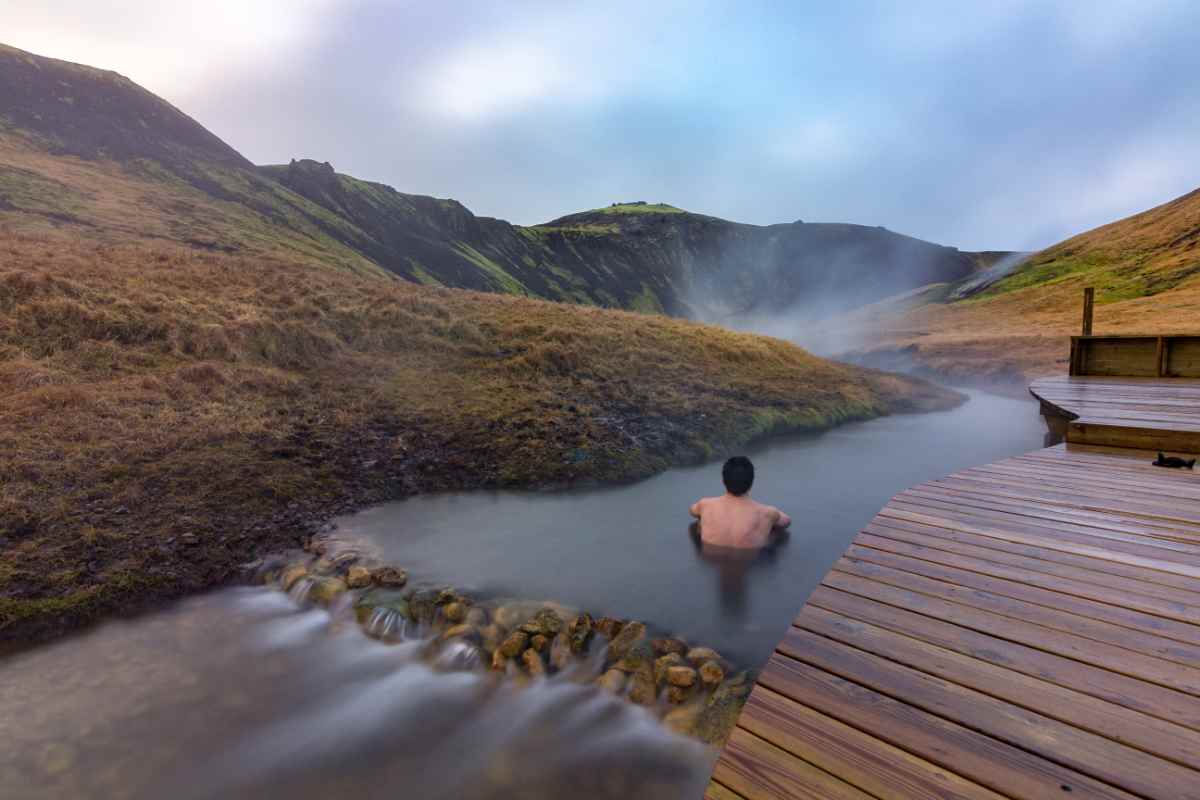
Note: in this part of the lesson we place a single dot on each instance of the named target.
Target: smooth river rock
(358, 577)
(512, 646)
(391, 577)
(630, 635)
(454, 611)
(711, 673)
(682, 676)
(580, 631)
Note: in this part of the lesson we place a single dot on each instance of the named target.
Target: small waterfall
(245, 693)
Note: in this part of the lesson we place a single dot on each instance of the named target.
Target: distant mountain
(85, 147)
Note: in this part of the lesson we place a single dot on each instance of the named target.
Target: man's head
(738, 475)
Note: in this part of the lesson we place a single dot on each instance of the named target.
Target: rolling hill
(82, 148)
(1145, 269)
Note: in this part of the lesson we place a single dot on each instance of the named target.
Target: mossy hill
(89, 148)
(1145, 270)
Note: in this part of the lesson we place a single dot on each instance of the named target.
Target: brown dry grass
(1146, 272)
(149, 395)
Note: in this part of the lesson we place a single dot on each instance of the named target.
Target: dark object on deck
(1174, 462)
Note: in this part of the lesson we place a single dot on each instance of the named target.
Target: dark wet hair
(738, 475)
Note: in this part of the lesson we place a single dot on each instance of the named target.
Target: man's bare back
(733, 519)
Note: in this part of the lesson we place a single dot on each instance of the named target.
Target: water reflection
(623, 550)
(733, 566)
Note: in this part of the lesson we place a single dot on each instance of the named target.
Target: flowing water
(242, 693)
(626, 551)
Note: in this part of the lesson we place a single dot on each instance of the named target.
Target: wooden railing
(1137, 356)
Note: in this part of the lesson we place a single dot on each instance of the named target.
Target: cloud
(170, 48)
(1012, 126)
(478, 82)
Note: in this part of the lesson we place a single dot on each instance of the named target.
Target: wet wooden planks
(1024, 629)
(1145, 413)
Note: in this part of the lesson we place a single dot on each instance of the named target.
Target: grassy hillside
(165, 413)
(201, 360)
(1145, 269)
(83, 147)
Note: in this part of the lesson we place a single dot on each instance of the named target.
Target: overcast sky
(1009, 125)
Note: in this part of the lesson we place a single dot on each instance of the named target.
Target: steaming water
(626, 551)
(242, 694)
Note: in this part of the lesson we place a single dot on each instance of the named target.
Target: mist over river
(242, 693)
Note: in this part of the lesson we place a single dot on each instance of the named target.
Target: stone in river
(544, 622)
(662, 663)
(630, 634)
(678, 694)
(539, 643)
(533, 662)
(711, 673)
(580, 631)
(449, 595)
(682, 676)
(664, 646)
(465, 631)
(499, 661)
(638, 656)
(613, 681)
(454, 611)
(719, 714)
(358, 577)
(698, 655)
(609, 626)
(560, 652)
(514, 644)
(641, 686)
(390, 576)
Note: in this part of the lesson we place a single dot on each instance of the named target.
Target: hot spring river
(241, 694)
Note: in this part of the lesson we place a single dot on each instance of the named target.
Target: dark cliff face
(650, 258)
(653, 258)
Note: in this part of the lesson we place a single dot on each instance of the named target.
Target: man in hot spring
(733, 519)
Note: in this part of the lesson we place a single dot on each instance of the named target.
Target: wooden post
(1089, 296)
(1160, 357)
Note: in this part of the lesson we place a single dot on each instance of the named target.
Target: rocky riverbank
(692, 689)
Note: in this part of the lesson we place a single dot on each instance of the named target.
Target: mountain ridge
(177, 181)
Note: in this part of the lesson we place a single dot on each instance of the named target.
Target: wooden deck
(1154, 414)
(1025, 629)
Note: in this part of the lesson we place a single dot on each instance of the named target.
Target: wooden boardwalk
(1025, 629)
(1159, 414)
